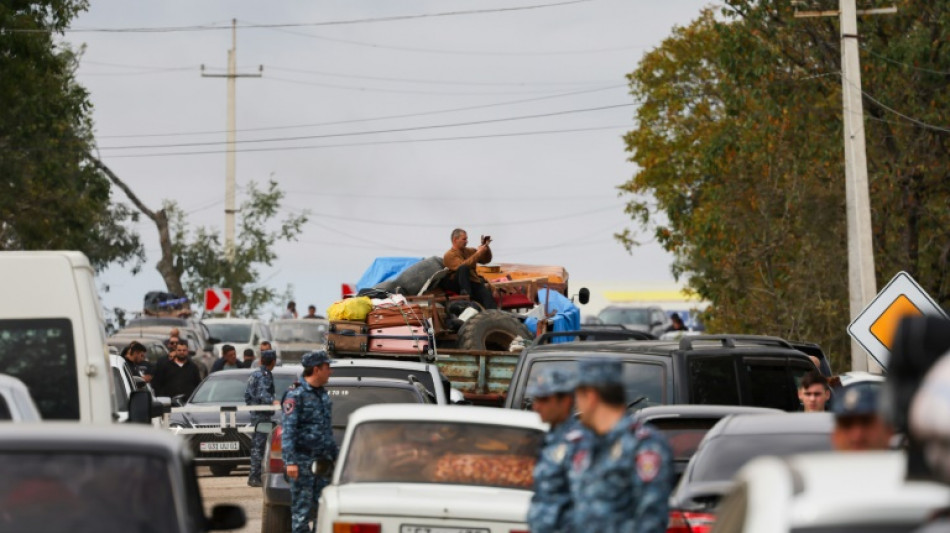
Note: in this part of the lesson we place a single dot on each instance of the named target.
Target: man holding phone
(463, 278)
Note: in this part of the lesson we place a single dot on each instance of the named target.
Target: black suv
(703, 369)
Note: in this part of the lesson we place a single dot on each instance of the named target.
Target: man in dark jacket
(228, 360)
(177, 376)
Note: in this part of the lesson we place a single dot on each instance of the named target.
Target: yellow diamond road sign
(875, 327)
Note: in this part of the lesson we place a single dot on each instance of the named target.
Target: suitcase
(347, 337)
(397, 315)
(399, 339)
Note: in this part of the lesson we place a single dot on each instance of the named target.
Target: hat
(315, 358)
(858, 399)
(599, 372)
(268, 356)
(549, 382)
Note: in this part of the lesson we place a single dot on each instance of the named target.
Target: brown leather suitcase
(387, 316)
(347, 337)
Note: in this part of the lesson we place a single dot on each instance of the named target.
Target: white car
(427, 468)
(16, 404)
(242, 333)
(829, 493)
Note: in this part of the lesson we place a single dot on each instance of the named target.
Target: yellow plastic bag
(350, 309)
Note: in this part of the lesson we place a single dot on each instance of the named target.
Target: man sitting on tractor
(463, 277)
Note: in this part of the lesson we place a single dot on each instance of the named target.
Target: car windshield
(723, 456)
(312, 332)
(347, 399)
(641, 379)
(684, 434)
(442, 452)
(228, 387)
(617, 315)
(402, 374)
(239, 333)
(77, 492)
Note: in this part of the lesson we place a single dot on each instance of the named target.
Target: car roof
(448, 413)
(834, 488)
(701, 411)
(369, 382)
(71, 436)
(781, 424)
(384, 363)
(759, 345)
(209, 321)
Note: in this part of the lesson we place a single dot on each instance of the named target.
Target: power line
(399, 91)
(436, 82)
(375, 143)
(373, 119)
(215, 27)
(394, 223)
(403, 198)
(372, 132)
(908, 65)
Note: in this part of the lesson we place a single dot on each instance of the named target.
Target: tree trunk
(165, 265)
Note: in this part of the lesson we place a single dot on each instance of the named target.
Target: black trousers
(460, 282)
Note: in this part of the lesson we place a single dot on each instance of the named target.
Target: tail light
(519, 531)
(347, 527)
(276, 459)
(690, 522)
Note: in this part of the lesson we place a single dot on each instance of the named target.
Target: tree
(51, 197)
(738, 139)
(205, 263)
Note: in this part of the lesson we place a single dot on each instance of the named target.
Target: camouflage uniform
(259, 391)
(307, 437)
(551, 509)
(620, 481)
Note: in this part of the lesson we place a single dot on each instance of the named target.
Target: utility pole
(230, 159)
(862, 285)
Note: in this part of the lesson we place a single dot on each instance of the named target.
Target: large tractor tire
(275, 519)
(492, 330)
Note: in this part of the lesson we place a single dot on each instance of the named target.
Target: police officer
(620, 479)
(260, 391)
(307, 440)
(552, 396)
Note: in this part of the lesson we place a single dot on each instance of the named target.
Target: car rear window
(238, 333)
(641, 380)
(442, 452)
(684, 434)
(347, 371)
(300, 332)
(40, 352)
(723, 456)
(228, 387)
(349, 399)
(106, 493)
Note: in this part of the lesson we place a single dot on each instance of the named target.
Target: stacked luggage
(389, 327)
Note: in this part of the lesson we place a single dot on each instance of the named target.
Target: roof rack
(729, 341)
(596, 334)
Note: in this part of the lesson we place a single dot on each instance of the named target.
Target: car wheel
(492, 330)
(221, 470)
(275, 519)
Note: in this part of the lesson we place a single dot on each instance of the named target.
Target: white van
(52, 335)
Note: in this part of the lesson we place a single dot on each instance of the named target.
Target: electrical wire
(394, 18)
(373, 119)
(908, 65)
(435, 82)
(377, 143)
(391, 223)
(373, 132)
(400, 91)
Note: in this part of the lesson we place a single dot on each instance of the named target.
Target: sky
(506, 123)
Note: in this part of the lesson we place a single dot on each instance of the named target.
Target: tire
(492, 330)
(275, 519)
(221, 470)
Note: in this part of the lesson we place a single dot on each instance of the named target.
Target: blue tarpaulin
(567, 317)
(383, 269)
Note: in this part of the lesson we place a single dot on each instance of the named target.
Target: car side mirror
(264, 427)
(225, 517)
(583, 296)
(656, 324)
(178, 401)
(140, 407)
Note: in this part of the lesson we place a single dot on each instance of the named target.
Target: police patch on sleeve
(289, 405)
(648, 465)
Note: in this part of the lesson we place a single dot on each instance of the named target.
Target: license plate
(219, 446)
(432, 529)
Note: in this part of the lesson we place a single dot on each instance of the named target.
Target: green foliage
(202, 259)
(52, 198)
(739, 140)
